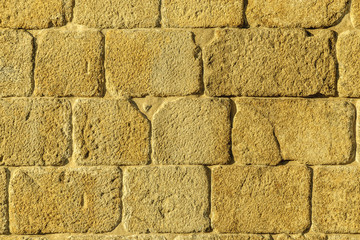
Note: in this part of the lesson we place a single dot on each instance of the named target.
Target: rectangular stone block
(336, 199)
(343, 237)
(12, 237)
(4, 216)
(166, 199)
(266, 131)
(110, 132)
(250, 199)
(57, 200)
(289, 13)
(155, 62)
(35, 131)
(16, 64)
(215, 13)
(348, 53)
(300, 237)
(113, 237)
(192, 131)
(34, 14)
(117, 13)
(270, 62)
(69, 63)
(224, 237)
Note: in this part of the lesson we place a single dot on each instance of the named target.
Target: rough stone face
(309, 131)
(35, 131)
(16, 50)
(270, 62)
(293, 13)
(110, 132)
(69, 63)
(4, 201)
(300, 237)
(224, 237)
(34, 14)
(348, 52)
(192, 131)
(12, 237)
(215, 13)
(343, 237)
(336, 199)
(156, 62)
(117, 13)
(166, 199)
(51, 200)
(354, 13)
(251, 199)
(134, 237)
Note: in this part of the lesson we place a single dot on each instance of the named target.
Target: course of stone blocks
(179, 119)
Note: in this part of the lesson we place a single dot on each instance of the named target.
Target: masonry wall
(179, 119)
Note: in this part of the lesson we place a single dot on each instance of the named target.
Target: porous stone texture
(336, 197)
(266, 131)
(52, 200)
(113, 237)
(166, 199)
(16, 65)
(215, 13)
(12, 237)
(251, 199)
(224, 237)
(4, 221)
(300, 237)
(348, 52)
(192, 131)
(117, 13)
(155, 62)
(110, 132)
(69, 63)
(270, 62)
(34, 14)
(292, 13)
(343, 237)
(35, 131)
(354, 13)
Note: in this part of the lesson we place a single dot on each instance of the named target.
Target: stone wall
(179, 119)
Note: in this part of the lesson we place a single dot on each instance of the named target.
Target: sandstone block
(69, 63)
(12, 237)
(270, 62)
(354, 13)
(4, 221)
(169, 199)
(156, 62)
(224, 237)
(34, 14)
(117, 13)
(336, 199)
(348, 52)
(110, 132)
(251, 199)
(216, 13)
(343, 237)
(113, 237)
(35, 131)
(266, 131)
(192, 131)
(56, 200)
(16, 65)
(300, 237)
(290, 13)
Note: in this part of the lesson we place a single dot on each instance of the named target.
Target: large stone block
(250, 199)
(57, 200)
(270, 62)
(155, 62)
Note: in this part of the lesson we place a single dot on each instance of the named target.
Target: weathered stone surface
(16, 50)
(270, 62)
(35, 131)
(224, 237)
(300, 237)
(355, 13)
(348, 53)
(192, 131)
(34, 14)
(69, 63)
(4, 221)
(251, 199)
(113, 237)
(110, 132)
(291, 13)
(343, 237)
(215, 13)
(166, 199)
(265, 131)
(156, 62)
(51, 200)
(12, 237)
(117, 13)
(336, 199)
